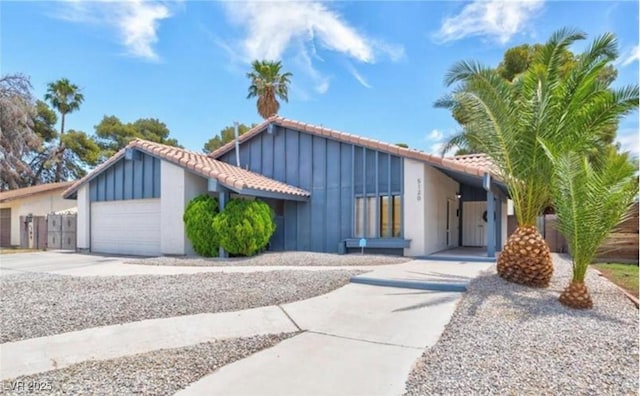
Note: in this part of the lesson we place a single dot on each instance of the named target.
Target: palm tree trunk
(576, 296)
(60, 152)
(526, 258)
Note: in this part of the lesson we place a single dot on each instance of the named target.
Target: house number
(419, 189)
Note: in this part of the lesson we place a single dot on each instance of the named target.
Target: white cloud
(434, 135)
(436, 141)
(136, 22)
(298, 30)
(358, 76)
(629, 140)
(632, 55)
(498, 19)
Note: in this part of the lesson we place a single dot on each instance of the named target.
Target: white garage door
(126, 227)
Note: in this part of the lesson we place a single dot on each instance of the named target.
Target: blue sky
(369, 68)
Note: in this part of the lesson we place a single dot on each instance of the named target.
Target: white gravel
(35, 305)
(277, 258)
(161, 372)
(510, 339)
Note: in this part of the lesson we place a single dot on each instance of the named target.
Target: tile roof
(235, 178)
(33, 190)
(476, 160)
(469, 168)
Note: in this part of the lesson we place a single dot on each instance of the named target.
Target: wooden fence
(621, 245)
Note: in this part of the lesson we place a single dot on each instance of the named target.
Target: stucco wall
(438, 188)
(178, 187)
(194, 185)
(172, 193)
(38, 205)
(503, 220)
(83, 226)
(414, 207)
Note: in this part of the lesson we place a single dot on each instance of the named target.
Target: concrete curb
(631, 297)
(419, 285)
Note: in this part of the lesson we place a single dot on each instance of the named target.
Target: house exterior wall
(83, 226)
(138, 178)
(333, 172)
(438, 189)
(178, 187)
(194, 185)
(503, 223)
(414, 206)
(172, 203)
(38, 205)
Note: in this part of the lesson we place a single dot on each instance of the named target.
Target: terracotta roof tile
(33, 190)
(478, 161)
(473, 168)
(229, 175)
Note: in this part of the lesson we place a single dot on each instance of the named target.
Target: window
(387, 222)
(385, 229)
(397, 215)
(359, 216)
(371, 217)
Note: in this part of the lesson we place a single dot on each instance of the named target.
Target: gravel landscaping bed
(161, 372)
(510, 339)
(35, 305)
(277, 258)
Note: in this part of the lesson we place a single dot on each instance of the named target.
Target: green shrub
(198, 220)
(244, 227)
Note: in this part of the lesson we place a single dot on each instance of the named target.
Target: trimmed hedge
(198, 220)
(244, 227)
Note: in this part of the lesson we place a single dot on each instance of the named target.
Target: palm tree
(508, 121)
(268, 83)
(65, 97)
(589, 202)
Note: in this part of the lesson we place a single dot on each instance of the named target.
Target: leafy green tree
(112, 135)
(226, 135)
(244, 227)
(589, 202)
(403, 145)
(515, 62)
(508, 121)
(268, 84)
(198, 220)
(64, 97)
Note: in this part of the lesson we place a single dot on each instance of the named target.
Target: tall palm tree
(269, 84)
(65, 97)
(508, 121)
(589, 202)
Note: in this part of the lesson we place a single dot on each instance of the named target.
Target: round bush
(198, 220)
(244, 227)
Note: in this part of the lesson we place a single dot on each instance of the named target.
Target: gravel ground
(35, 305)
(161, 372)
(510, 339)
(277, 258)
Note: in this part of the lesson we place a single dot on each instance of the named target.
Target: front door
(473, 224)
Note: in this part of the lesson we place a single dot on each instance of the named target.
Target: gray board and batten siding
(138, 178)
(334, 172)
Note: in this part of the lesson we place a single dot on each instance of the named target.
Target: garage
(126, 227)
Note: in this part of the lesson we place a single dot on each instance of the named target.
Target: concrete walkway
(359, 340)
(425, 275)
(54, 352)
(74, 264)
